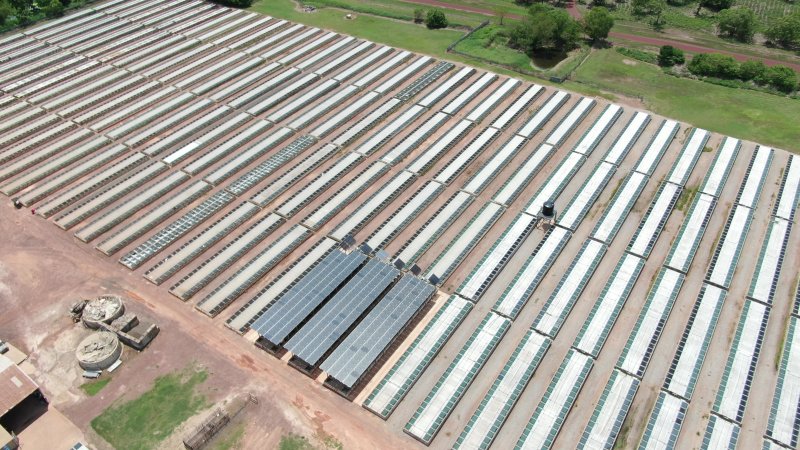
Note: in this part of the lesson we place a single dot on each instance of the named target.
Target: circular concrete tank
(103, 309)
(98, 351)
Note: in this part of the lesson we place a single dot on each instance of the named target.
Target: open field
(241, 174)
(762, 117)
(170, 401)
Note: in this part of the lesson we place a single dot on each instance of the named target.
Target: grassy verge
(751, 115)
(142, 423)
(93, 387)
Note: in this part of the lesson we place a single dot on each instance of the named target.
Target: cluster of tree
(725, 67)
(27, 11)
(545, 28)
(785, 31)
(553, 30)
(235, 3)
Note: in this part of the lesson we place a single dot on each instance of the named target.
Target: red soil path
(576, 14)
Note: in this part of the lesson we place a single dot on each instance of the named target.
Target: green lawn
(93, 387)
(377, 29)
(764, 118)
(486, 43)
(142, 423)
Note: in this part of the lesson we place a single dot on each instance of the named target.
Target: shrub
(752, 70)
(781, 78)
(739, 23)
(714, 65)
(670, 56)
(436, 19)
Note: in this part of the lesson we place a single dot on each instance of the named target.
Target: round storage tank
(98, 351)
(103, 309)
(548, 209)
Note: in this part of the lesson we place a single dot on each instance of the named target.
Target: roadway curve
(575, 13)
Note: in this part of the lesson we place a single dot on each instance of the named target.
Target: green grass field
(756, 116)
(142, 423)
(377, 29)
(93, 387)
(396, 10)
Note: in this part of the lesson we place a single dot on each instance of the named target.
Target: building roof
(15, 385)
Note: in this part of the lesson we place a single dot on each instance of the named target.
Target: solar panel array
(242, 160)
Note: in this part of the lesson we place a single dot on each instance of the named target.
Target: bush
(752, 70)
(739, 23)
(436, 19)
(670, 56)
(714, 65)
(781, 78)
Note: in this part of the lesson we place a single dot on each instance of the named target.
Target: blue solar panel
(328, 325)
(365, 344)
(296, 304)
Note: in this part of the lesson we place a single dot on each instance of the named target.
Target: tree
(598, 23)
(654, 8)
(419, 15)
(670, 56)
(739, 23)
(752, 70)
(545, 28)
(782, 78)
(436, 19)
(52, 8)
(785, 31)
(714, 65)
(6, 11)
(715, 5)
